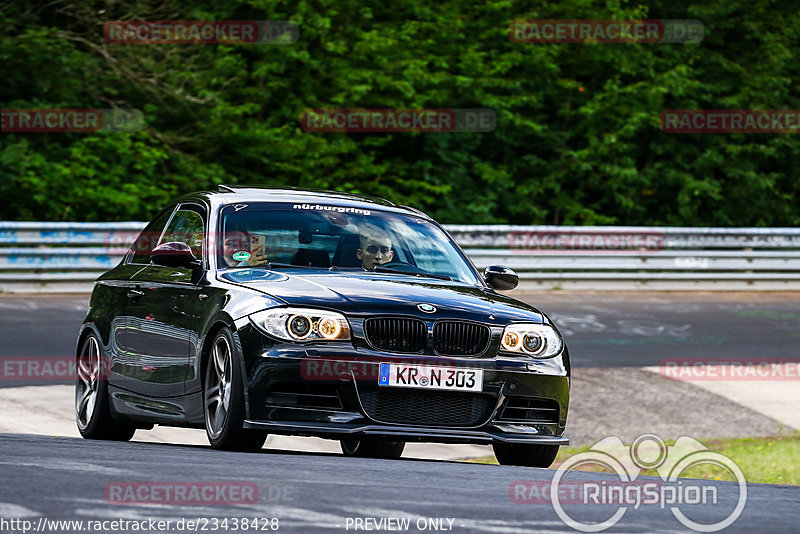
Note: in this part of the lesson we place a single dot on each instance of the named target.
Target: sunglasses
(373, 249)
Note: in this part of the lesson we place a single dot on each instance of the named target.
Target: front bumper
(331, 392)
(403, 433)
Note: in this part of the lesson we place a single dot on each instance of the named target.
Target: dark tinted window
(325, 236)
(186, 227)
(149, 237)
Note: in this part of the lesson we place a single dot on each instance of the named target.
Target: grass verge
(770, 460)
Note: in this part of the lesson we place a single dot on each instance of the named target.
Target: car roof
(284, 194)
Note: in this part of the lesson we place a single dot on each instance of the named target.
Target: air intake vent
(396, 334)
(320, 397)
(437, 408)
(530, 410)
(459, 338)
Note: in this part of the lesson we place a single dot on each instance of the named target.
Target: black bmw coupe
(251, 311)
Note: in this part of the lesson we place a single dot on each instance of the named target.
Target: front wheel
(223, 396)
(373, 449)
(92, 403)
(525, 455)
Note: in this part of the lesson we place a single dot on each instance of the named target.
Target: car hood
(383, 293)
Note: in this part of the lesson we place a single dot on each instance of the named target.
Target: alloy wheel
(88, 371)
(218, 387)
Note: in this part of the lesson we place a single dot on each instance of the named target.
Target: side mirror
(500, 277)
(174, 254)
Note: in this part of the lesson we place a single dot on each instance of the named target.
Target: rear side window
(148, 239)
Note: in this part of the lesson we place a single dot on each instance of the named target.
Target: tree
(577, 139)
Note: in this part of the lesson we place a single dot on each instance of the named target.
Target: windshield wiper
(380, 269)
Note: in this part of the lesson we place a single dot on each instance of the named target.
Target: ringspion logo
(585, 491)
(626, 492)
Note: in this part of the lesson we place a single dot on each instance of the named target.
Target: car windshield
(326, 236)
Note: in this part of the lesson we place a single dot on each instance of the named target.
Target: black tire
(92, 403)
(224, 412)
(373, 449)
(525, 455)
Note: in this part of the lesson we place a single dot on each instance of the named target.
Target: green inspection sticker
(241, 255)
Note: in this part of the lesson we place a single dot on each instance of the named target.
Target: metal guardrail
(671, 238)
(66, 257)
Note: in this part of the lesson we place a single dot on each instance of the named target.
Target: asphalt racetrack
(617, 342)
(67, 478)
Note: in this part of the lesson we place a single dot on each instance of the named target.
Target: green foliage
(577, 138)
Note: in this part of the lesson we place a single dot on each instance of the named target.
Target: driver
(237, 241)
(376, 247)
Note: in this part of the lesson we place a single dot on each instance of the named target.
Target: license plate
(427, 377)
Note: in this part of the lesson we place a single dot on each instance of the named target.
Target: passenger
(238, 241)
(376, 247)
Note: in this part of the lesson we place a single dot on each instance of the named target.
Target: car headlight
(531, 339)
(302, 324)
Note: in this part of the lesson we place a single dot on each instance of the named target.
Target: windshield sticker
(238, 207)
(339, 209)
(241, 255)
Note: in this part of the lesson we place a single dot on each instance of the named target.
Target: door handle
(135, 294)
